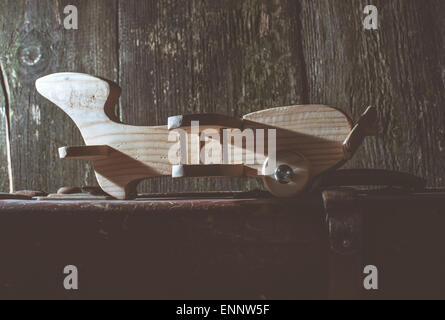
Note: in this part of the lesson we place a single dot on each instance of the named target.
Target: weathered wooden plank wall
(34, 43)
(398, 68)
(233, 57)
(4, 166)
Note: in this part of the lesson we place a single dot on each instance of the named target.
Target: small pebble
(69, 190)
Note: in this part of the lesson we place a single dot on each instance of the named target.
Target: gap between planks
(6, 91)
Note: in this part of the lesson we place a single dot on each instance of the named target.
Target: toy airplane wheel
(288, 176)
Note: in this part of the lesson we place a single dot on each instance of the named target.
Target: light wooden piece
(73, 196)
(206, 119)
(315, 131)
(208, 170)
(137, 152)
(301, 169)
(123, 154)
(84, 152)
(366, 126)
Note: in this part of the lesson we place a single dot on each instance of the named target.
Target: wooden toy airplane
(303, 141)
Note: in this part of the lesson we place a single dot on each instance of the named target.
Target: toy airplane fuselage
(286, 146)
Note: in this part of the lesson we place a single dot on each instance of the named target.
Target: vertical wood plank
(398, 68)
(34, 43)
(4, 165)
(230, 57)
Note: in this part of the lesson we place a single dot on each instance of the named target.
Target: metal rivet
(284, 174)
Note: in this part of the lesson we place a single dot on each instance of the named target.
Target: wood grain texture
(137, 151)
(316, 131)
(209, 170)
(365, 126)
(229, 57)
(4, 139)
(398, 68)
(184, 247)
(84, 152)
(33, 42)
(124, 154)
(204, 119)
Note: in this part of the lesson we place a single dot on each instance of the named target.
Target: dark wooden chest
(228, 246)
